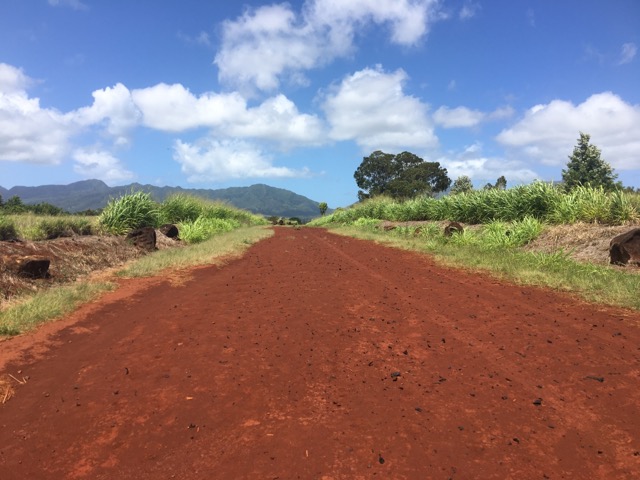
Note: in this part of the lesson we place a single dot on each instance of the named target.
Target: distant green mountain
(94, 194)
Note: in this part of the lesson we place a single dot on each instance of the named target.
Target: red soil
(323, 357)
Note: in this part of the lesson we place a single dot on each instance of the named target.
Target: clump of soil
(71, 259)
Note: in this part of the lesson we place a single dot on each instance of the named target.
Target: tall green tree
(585, 167)
(462, 184)
(404, 175)
(15, 205)
(322, 206)
(501, 184)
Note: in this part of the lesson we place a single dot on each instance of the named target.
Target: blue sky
(217, 94)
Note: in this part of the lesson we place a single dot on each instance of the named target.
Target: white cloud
(113, 107)
(218, 160)
(13, 80)
(75, 4)
(463, 117)
(482, 169)
(277, 119)
(457, 117)
(28, 132)
(548, 133)
(628, 53)
(270, 41)
(371, 108)
(174, 108)
(100, 164)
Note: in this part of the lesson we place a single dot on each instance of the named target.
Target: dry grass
(6, 388)
(583, 242)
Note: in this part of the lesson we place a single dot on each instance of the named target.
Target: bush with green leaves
(129, 212)
(7, 228)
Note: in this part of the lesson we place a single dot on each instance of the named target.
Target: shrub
(129, 212)
(7, 228)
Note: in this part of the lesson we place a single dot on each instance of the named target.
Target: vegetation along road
(317, 356)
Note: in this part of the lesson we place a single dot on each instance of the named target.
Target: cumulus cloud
(173, 108)
(277, 119)
(99, 164)
(371, 108)
(213, 160)
(268, 42)
(28, 132)
(13, 80)
(113, 107)
(628, 53)
(482, 169)
(548, 133)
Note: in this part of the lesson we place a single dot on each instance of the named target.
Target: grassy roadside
(46, 306)
(594, 283)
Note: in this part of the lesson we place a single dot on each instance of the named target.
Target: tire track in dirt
(284, 364)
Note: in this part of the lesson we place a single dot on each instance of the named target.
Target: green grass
(539, 200)
(48, 305)
(479, 251)
(29, 226)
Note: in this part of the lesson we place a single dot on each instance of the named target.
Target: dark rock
(169, 230)
(625, 248)
(144, 238)
(453, 227)
(537, 402)
(30, 266)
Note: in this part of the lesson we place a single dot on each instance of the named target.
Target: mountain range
(95, 194)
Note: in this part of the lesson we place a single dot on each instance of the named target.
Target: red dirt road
(323, 357)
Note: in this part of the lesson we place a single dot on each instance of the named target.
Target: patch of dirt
(584, 242)
(318, 356)
(71, 259)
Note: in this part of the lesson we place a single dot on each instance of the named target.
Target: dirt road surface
(323, 357)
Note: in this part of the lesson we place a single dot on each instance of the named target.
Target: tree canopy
(404, 175)
(462, 184)
(322, 206)
(586, 168)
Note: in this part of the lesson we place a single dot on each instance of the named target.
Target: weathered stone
(453, 227)
(144, 238)
(29, 266)
(169, 230)
(625, 248)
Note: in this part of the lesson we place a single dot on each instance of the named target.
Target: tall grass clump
(541, 201)
(181, 208)
(131, 211)
(204, 228)
(7, 228)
